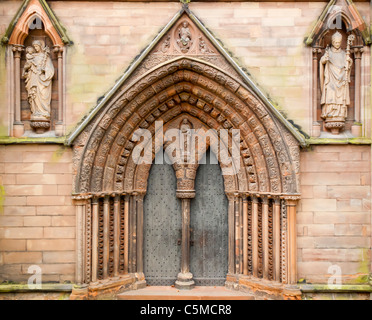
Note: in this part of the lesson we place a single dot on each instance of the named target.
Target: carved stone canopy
(28, 12)
(339, 13)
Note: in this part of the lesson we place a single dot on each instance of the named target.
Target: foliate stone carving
(260, 241)
(38, 72)
(88, 243)
(283, 242)
(271, 240)
(335, 69)
(40, 126)
(100, 240)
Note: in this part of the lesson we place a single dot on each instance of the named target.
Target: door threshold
(197, 293)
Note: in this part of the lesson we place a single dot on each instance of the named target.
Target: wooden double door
(209, 227)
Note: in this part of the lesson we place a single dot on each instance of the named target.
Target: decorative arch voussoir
(206, 93)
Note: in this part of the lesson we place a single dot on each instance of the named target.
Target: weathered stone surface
(334, 218)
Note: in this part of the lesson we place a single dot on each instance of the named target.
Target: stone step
(171, 293)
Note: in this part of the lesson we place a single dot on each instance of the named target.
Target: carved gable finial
(185, 4)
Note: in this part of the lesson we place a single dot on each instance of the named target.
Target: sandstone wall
(334, 215)
(37, 219)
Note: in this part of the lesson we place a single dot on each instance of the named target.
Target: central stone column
(185, 277)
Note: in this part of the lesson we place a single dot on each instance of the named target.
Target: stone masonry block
(23, 257)
(59, 232)
(12, 245)
(45, 200)
(319, 205)
(335, 255)
(59, 257)
(342, 217)
(11, 221)
(331, 178)
(42, 221)
(49, 179)
(19, 210)
(65, 221)
(344, 192)
(21, 233)
(53, 210)
(50, 245)
(346, 242)
(30, 190)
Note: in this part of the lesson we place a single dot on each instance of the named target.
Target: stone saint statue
(38, 72)
(335, 67)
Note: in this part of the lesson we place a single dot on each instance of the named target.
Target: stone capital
(17, 50)
(58, 50)
(185, 194)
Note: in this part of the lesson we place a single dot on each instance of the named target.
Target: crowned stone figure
(335, 67)
(38, 72)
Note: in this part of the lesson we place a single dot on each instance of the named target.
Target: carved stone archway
(110, 186)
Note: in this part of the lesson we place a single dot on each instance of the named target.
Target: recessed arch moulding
(209, 98)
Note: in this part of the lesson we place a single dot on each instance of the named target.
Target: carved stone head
(336, 40)
(37, 45)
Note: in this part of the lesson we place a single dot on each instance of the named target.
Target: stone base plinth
(18, 130)
(79, 292)
(316, 130)
(335, 125)
(59, 129)
(356, 130)
(40, 126)
(184, 281)
(269, 289)
(109, 288)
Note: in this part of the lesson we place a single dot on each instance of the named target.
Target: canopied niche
(177, 83)
(36, 50)
(337, 112)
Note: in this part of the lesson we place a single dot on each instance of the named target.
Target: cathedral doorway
(209, 227)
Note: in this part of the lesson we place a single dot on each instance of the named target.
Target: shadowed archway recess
(111, 186)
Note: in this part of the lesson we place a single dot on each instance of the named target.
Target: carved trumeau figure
(184, 35)
(335, 67)
(185, 129)
(38, 72)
